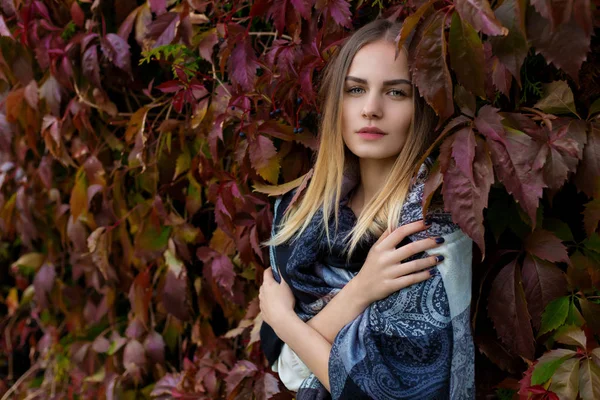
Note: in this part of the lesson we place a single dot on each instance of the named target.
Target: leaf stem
(270, 34)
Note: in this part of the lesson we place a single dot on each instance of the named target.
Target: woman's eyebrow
(385, 83)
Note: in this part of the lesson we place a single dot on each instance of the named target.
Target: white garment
(292, 371)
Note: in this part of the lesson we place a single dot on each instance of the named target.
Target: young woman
(365, 298)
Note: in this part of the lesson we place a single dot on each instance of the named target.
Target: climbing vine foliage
(142, 142)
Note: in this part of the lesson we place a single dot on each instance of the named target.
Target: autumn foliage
(141, 144)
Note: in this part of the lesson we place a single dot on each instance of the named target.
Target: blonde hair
(325, 187)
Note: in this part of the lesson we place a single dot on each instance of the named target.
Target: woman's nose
(372, 107)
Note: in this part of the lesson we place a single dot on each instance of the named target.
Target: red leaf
(479, 14)
(241, 370)
(116, 49)
(158, 7)
(511, 49)
(463, 151)
(223, 273)
(266, 386)
(507, 308)
(170, 86)
(558, 12)
(165, 387)
(140, 295)
(583, 16)
(243, 64)
(568, 38)
(262, 151)
(466, 196)
(339, 10)
(488, 122)
(588, 173)
(303, 7)
(545, 245)
(431, 73)
(77, 14)
(543, 282)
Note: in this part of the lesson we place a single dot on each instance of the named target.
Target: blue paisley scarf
(414, 344)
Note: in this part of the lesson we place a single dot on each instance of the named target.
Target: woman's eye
(355, 90)
(397, 93)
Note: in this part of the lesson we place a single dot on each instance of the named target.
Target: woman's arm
(382, 274)
(312, 348)
(277, 307)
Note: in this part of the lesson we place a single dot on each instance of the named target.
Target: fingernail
(439, 258)
(434, 271)
(439, 240)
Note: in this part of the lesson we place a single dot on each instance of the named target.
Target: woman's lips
(370, 135)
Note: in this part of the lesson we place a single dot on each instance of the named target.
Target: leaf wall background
(140, 141)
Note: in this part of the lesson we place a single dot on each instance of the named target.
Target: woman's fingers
(413, 248)
(396, 236)
(268, 275)
(415, 266)
(407, 280)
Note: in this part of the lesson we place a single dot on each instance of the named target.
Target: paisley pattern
(414, 344)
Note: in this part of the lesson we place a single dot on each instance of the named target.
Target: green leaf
(557, 99)
(466, 55)
(565, 382)
(555, 314)
(574, 317)
(589, 380)
(543, 371)
(594, 108)
(571, 335)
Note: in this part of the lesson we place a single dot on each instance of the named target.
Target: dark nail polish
(439, 258)
(439, 240)
(427, 221)
(434, 271)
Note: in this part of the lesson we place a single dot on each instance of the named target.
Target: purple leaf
(164, 28)
(116, 49)
(243, 64)
(155, 347)
(43, 284)
(480, 15)
(507, 308)
(90, 66)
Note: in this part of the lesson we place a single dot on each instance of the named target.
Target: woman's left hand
(276, 300)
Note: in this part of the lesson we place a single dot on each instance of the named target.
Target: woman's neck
(373, 174)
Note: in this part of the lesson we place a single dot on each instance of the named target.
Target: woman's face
(377, 105)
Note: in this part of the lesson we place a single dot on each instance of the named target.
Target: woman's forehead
(377, 62)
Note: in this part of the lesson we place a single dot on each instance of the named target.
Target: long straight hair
(333, 158)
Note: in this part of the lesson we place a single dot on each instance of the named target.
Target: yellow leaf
(136, 124)
(79, 194)
(270, 172)
(183, 163)
(200, 113)
(30, 260)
